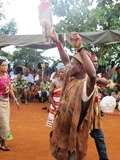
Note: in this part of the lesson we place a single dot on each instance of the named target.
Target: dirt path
(31, 135)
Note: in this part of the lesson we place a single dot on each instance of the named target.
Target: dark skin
(99, 80)
(77, 69)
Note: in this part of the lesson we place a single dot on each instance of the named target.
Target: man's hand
(54, 37)
(102, 81)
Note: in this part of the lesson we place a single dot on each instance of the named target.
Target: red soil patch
(31, 140)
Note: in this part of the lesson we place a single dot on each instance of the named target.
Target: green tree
(107, 15)
(10, 28)
(75, 14)
(28, 56)
(109, 53)
(79, 16)
(6, 55)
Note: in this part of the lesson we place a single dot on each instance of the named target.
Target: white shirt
(29, 78)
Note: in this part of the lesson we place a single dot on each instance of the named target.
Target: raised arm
(88, 64)
(89, 69)
(64, 57)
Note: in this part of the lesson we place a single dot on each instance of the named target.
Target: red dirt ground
(31, 141)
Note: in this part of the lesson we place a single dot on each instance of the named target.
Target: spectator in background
(44, 90)
(47, 70)
(96, 131)
(34, 91)
(118, 78)
(36, 76)
(28, 76)
(12, 74)
(21, 88)
(18, 69)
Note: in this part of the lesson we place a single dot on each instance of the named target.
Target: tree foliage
(6, 55)
(78, 15)
(107, 15)
(74, 13)
(9, 28)
(108, 54)
(28, 56)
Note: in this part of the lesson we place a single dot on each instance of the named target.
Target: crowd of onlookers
(112, 88)
(33, 84)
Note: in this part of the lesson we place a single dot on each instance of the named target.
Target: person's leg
(44, 95)
(3, 145)
(98, 137)
(26, 95)
(4, 124)
(72, 156)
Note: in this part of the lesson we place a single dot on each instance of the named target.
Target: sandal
(4, 148)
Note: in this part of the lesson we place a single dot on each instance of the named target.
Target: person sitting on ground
(44, 90)
(33, 95)
(21, 88)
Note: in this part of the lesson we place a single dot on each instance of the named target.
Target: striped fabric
(52, 110)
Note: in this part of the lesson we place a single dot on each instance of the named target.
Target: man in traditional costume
(68, 139)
